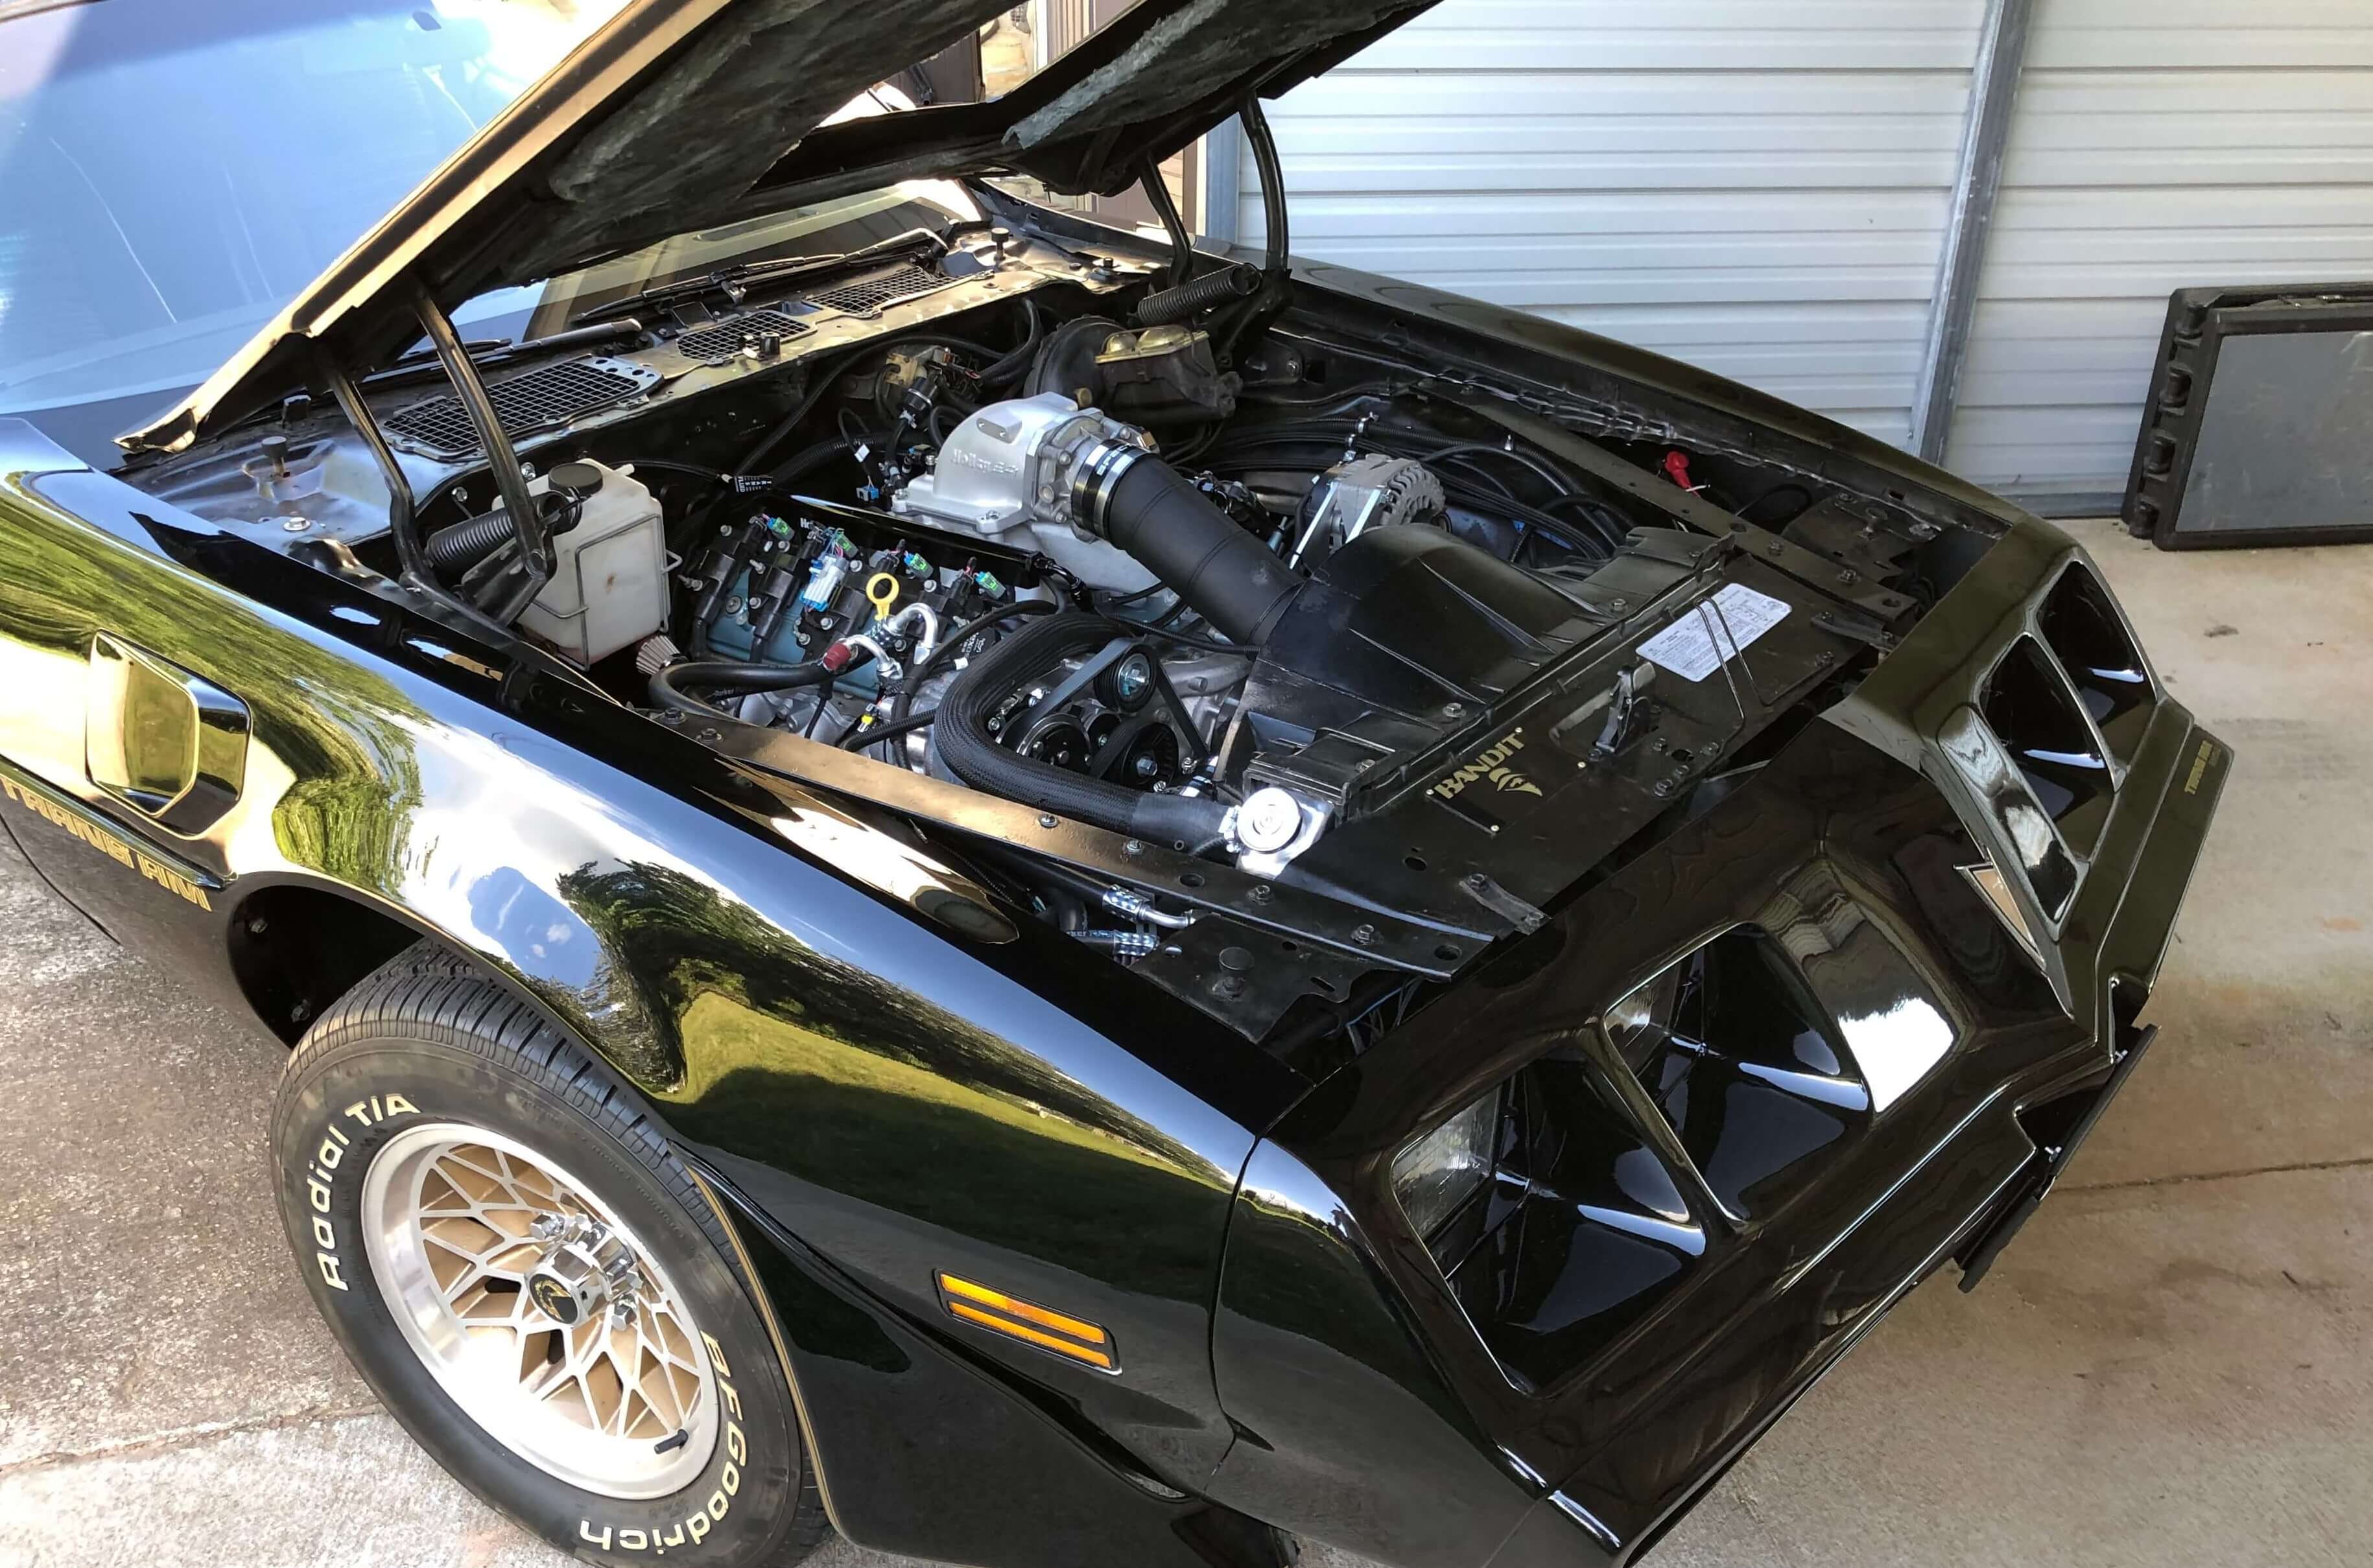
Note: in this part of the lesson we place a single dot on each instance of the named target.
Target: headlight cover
(1437, 1174)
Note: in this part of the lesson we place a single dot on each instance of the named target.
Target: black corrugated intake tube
(668, 685)
(1224, 575)
(967, 746)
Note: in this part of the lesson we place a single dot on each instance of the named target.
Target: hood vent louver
(2057, 723)
(2086, 633)
(2033, 711)
(535, 400)
(2069, 703)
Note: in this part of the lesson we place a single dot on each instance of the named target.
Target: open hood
(686, 114)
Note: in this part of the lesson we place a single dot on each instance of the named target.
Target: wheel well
(295, 950)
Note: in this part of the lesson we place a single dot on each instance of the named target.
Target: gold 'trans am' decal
(107, 843)
(1490, 766)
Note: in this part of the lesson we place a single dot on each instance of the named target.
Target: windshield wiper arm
(730, 281)
(477, 348)
(499, 351)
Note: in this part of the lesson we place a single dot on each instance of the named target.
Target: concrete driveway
(2169, 1366)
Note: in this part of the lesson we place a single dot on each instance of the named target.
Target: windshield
(850, 223)
(172, 171)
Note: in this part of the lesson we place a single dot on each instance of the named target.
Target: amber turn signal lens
(1072, 1338)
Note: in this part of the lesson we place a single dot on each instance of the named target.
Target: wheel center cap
(585, 1271)
(554, 1299)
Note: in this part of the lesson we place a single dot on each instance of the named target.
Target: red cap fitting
(836, 658)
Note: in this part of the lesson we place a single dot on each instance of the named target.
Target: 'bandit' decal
(1490, 766)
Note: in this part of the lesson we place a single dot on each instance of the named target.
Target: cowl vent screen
(535, 400)
(725, 339)
(866, 295)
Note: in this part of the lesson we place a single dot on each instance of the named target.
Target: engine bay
(1307, 625)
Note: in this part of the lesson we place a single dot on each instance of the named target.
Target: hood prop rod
(1181, 245)
(403, 523)
(403, 518)
(1242, 326)
(534, 558)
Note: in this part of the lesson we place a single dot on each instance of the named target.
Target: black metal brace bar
(1438, 950)
(502, 458)
(403, 517)
(1692, 512)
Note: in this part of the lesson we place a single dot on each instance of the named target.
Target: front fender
(901, 1097)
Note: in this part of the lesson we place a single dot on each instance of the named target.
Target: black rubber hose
(1160, 633)
(972, 346)
(459, 546)
(952, 644)
(1182, 822)
(862, 738)
(1229, 285)
(1012, 366)
(826, 375)
(823, 701)
(809, 457)
(1223, 573)
(667, 685)
(669, 464)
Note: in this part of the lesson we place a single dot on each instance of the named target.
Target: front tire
(505, 1247)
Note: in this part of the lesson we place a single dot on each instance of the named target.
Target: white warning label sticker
(1700, 641)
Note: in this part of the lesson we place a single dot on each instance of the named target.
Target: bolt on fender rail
(1374, 936)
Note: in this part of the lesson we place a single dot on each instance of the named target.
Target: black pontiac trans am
(1056, 900)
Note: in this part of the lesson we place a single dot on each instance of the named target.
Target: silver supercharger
(1039, 466)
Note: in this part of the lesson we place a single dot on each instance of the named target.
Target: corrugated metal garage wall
(2158, 145)
(1754, 187)
(1760, 188)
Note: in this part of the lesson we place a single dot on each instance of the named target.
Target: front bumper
(2052, 1157)
(1379, 1410)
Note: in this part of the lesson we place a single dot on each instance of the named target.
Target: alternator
(1373, 492)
